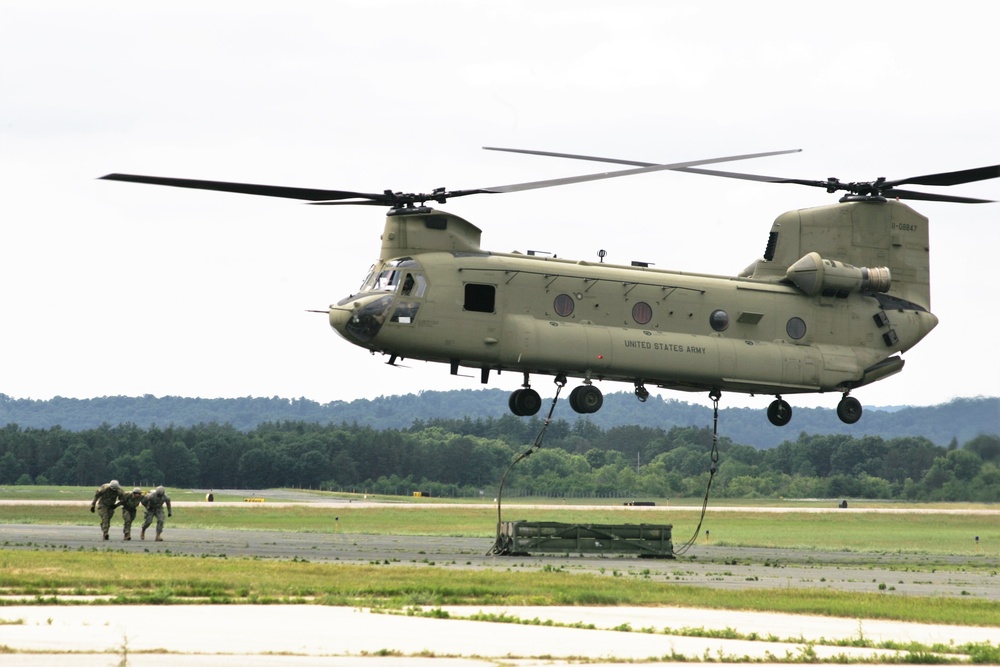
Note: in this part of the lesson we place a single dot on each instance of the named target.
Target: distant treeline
(467, 457)
(960, 419)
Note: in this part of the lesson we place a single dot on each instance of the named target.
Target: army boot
(142, 535)
(128, 537)
(105, 536)
(158, 538)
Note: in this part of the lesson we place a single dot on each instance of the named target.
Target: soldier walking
(154, 502)
(130, 505)
(106, 499)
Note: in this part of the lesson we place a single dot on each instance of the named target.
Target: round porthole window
(564, 305)
(719, 319)
(796, 328)
(642, 312)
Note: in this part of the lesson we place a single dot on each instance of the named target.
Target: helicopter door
(412, 287)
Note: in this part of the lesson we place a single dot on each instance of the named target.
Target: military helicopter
(840, 293)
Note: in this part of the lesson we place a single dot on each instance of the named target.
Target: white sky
(123, 289)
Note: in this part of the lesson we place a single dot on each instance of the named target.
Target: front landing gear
(849, 409)
(586, 399)
(779, 412)
(525, 402)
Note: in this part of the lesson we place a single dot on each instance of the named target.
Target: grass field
(858, 530)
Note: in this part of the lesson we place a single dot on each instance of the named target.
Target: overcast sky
(122, 289)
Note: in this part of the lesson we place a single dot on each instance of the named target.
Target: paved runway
(307, 635)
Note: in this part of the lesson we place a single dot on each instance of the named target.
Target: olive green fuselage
(435, 295)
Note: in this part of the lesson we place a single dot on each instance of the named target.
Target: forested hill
(961, 419)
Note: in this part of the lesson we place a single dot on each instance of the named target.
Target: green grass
(870, 532)
(86, 493)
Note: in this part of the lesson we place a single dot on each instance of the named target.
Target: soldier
(154, 502)
(106, 499)
(130, 505)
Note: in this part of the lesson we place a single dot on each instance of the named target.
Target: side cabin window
(480, 298)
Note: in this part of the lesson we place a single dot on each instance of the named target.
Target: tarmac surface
(305, 635)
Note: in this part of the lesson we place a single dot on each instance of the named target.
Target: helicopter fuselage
(446, 300)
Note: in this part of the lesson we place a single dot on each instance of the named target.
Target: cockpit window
(391, 275)
(386, 281)
(369, 280)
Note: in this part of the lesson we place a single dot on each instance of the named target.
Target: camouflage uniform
(154, 502)
(107, 498)
(130, 505)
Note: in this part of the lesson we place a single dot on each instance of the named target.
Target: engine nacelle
(814, 275)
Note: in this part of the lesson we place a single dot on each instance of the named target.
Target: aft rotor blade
(644, 168)
(929, 196)
(952, 177)
(249, 188)
(635, 163)
(691, 168)
(831, 185)
(885, 189)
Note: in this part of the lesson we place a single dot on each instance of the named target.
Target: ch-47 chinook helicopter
(841, 291)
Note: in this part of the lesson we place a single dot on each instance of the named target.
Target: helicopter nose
(339, 315)
(929, 321)
(360, 320)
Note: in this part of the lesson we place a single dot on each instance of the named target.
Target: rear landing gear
(849, 409)
(525, 402)
(779, 412)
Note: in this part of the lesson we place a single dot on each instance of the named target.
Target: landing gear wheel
(525, 402)
(586, 399)
(779, 412)
(849, 409)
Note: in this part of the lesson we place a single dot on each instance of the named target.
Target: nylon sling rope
(500, 546)
(715, 395)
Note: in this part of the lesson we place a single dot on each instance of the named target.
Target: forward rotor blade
(353, 202)
(249, 188)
